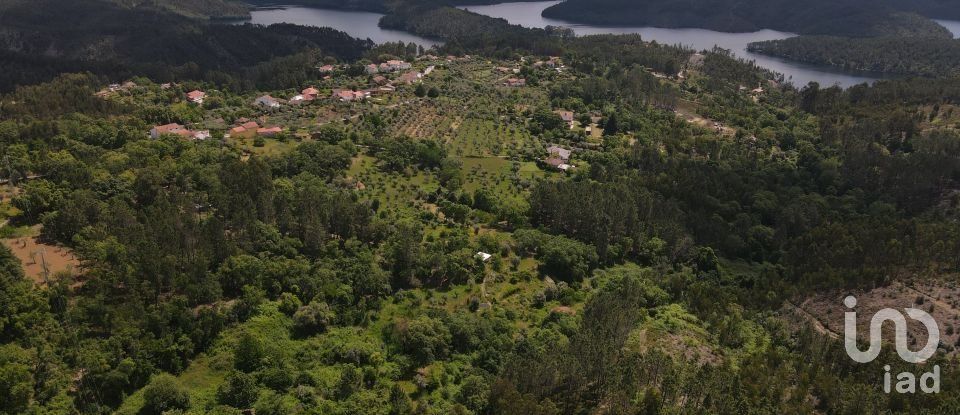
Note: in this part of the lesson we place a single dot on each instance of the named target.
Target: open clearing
(34, 254)
(939, 298)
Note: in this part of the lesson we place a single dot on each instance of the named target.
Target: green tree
(163, 394)
(16, 380)
(425, 338)
(249, 353)
(313, 318)
(239, 390)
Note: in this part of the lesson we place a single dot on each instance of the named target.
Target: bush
(289, 303)
(424, 338)
(312, 318)
(240, 390)
(248, 354)
(164, 394)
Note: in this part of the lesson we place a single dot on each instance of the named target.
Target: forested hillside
(840, 18)
(930, 57)
(203, 9)
(519, 222)
(42, 38)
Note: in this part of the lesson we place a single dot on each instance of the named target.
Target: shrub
(240, 390)
(164, 394)
(313, 318)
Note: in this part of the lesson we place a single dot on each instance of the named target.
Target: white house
(267, 101)
(196, 97)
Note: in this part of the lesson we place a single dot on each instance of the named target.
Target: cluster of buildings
(558, 158)
(567, 117)
(306, 95)
(196, 97)
(179, 130)
(346, 95)
(249, 128)
(267, 101)
(552, 63)
(392, 65)
(515, 82)
(115, 88)
(326, 69)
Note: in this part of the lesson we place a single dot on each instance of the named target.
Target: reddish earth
(33, 255)
(825, 312)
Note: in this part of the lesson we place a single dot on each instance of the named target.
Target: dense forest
(896, 55)
(415, 252)
(821, 17)
(46, 37)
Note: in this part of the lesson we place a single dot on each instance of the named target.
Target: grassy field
(271, 147)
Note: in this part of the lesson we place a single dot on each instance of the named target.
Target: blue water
(362, 25)
(951, 25)
(528, 14)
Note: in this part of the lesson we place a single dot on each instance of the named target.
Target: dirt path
(929, 298)
(817, 325)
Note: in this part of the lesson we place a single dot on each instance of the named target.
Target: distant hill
(891, 54)
(204, 9)
(40, 38)
(821, 17)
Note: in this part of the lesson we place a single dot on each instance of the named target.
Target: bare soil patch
(937, 297)
(34, 255)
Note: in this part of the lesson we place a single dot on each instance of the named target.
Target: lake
(951, 25)
(362, 25)
(527, 14)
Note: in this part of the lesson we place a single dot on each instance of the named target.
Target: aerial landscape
(473, 207)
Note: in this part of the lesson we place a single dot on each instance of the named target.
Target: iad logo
(906, 381)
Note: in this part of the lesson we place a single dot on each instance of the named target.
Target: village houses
(559, 153)
(267, 101)
(196, 97)
(346, 95)
(515, 82)
(326, 69)
(179, 130)
(410, 77)
(567, 117)
(310, 94)
(394, 65)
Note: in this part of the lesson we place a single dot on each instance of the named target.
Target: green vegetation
(919, 56)
(422, 252)
(49, 37)
(818, 17)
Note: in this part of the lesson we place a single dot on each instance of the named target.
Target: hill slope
(846, 18)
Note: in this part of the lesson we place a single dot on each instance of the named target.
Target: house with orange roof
(179, 130)
(267, 101)
(247, 129)
(167, 129)
(269, 132)
(346, 95)
(566, 116)
(196, 97)
(410, 77)
(310, 94)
